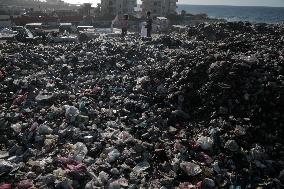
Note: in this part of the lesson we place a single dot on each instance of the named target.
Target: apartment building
(159, 7)
(35, 5)
(117, 7)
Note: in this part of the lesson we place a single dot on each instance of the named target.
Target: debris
(205, 142)
(232, 145)
(190, 168)
(196, 109)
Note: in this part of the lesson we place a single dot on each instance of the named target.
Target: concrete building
(36, 5)
(117, 7)
(159, 7)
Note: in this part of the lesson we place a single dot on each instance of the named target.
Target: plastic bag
(190, 168)
(81, 151)
(205, 142)
(143, 30)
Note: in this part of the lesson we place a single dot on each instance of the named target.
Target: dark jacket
(149, 22)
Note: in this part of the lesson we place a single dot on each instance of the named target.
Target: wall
(5, 21)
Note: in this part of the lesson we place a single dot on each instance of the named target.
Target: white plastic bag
(205, 143)
(143, 30)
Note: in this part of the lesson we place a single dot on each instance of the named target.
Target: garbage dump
(199, 109)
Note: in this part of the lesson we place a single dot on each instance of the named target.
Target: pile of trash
(6, 33)
(188, 110)
(227, 30)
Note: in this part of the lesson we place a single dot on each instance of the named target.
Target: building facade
(117, 7)
(159, 7)
(35, 5)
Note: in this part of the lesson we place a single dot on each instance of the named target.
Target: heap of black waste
(197, 109)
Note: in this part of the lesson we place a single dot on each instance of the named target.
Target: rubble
(190, 168)
(232, 145)
(199, 109)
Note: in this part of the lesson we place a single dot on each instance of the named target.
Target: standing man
(149, 22)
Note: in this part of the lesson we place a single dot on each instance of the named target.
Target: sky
(274, 3)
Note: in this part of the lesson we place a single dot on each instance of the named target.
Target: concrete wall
(5, 21)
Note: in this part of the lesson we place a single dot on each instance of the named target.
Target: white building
(36, 5)
(159, 7)
(118, 7)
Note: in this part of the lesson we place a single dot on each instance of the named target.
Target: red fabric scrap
(6, 186)
(67, 161)
(20, 99)
(76, 170)
(3, 73)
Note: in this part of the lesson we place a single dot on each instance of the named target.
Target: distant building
(117, 7)
(159, 7)
(36, 5)
(85, 9)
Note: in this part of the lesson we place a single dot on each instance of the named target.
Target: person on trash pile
(123, 23)
(149, 22)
